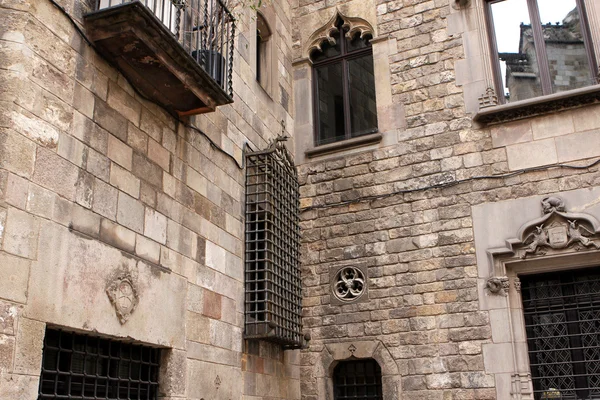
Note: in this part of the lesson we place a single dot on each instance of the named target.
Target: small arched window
(263, 51)
(344, 87)
(357, 379)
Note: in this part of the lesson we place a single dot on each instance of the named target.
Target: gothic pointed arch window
(343, 83)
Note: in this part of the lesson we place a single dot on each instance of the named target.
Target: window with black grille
(272, 277)
(83, 367)
(562, 320)
(357, 379)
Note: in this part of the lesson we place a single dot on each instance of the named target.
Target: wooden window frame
(342, 59)
(540, 46)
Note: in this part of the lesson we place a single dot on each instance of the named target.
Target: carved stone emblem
(218, 381)
(557, 236)
(349, 284)
(558, 230)
(352, 348)
(123, 296)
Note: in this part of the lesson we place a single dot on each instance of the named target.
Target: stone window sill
(336, 147)
(539, 105)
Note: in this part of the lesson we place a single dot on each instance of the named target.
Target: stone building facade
(122, 221)
(105, 196)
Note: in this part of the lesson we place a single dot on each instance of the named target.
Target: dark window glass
(263, 51)
(344, 88)
(330, 102)
(562, 321)
(543, 47)
(363, 109)
(82, 367)
(357, 379)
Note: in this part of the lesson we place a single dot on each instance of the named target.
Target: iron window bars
(84, 367)
(204, 28)
(344, 88)
(562, 321)
(357, 379)
(272, 274)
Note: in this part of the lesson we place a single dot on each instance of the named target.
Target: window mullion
(587, 40)
(540, 46)
(496, 70)
(346, 93)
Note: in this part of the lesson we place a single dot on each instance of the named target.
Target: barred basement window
(562, 321)
(273, 291)
(357, 379)
(83, 367)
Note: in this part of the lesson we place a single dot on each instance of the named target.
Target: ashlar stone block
(21, 234)
(17, 154)
(30, 341)
(130, 213)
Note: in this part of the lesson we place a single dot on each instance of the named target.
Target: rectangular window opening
(85, 367)
(562, 321)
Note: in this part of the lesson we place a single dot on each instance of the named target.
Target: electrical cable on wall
(444, 185)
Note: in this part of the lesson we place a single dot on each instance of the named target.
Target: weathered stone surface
(55, 173)
(17, 154)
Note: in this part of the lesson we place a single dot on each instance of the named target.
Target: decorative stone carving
(553, 203)
(349, 284)
(352, 348)
(123, 295)
(352, 26)
(556, 231)
(498, 285)
(489, 98)
(218, 382)
(517, 284)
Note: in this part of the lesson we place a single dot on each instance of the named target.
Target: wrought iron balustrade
(204, 28)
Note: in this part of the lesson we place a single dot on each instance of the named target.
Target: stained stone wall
(405, 212)
(97, 183)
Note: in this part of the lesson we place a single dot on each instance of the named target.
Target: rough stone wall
(95, 181)
(424, 301)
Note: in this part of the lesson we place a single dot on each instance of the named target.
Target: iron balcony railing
(204, 28)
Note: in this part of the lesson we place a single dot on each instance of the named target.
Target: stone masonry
(96, 181)
(381, 208)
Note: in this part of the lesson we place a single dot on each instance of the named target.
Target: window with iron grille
(357, 379)
(84, 367)
(562, 321)
(272, 276)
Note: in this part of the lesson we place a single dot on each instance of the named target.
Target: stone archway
(333, 353)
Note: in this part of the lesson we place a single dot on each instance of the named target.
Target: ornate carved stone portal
(555, 233)
(123, 295)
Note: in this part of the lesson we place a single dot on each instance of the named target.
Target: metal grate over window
(357, 379)
(83, 367)
(273, 290)
(562, 320)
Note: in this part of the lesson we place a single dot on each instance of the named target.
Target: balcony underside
(152, 59)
